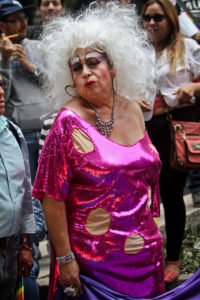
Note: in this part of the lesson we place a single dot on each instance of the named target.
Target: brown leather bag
(185, 145)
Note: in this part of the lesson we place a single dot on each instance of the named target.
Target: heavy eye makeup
(91, 59)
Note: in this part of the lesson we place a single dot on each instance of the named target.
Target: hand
(69, 275)
(19, 54)
(186, 92)
(25, 262)
(144, 104)
(6, 48)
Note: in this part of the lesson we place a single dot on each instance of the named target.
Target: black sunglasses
(17, 20)
(156, 17)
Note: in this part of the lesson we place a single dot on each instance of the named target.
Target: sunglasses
(3, 84)
(90, 62)
(156, 17)
(46, 3)
(17, 20)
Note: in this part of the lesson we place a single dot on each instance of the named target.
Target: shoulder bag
(185, 145)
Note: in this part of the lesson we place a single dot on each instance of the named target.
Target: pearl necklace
(104, 127)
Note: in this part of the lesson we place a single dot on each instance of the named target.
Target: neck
(159, 48)
(102, 102)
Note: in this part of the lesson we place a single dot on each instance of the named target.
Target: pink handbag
(185, 145)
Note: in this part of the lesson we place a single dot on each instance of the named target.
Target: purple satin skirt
(93, 290)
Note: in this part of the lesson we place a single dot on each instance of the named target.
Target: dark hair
(39, 2)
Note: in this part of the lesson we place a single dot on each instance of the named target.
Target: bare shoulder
(73, 104)
(132, 106)
(133, 109)
(78, 106)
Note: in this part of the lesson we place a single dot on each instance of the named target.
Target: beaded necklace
(104, 127)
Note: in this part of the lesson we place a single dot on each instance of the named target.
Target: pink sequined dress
(111, 195)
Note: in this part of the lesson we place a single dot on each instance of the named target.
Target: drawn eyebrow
(90, 54)
(75, 59)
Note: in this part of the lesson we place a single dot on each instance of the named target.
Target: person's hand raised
(19, 54)
(7, 48)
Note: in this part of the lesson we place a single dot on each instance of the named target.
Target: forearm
(197, 89)
(56, 222)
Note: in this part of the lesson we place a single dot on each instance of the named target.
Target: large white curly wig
(116, 30)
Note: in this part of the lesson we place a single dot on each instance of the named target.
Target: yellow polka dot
(98, 221)
(134, 244)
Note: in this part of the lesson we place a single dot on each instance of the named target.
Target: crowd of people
(84, 100)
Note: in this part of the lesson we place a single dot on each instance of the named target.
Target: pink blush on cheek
(104, 73)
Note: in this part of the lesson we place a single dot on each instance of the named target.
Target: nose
(152, 22)
(50, 6)
(24, 24)
(1, 91)
(86, 71)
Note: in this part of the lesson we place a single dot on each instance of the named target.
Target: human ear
(113, 73)
(2, 27)
(73, 86)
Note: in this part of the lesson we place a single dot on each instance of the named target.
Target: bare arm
(56, 221)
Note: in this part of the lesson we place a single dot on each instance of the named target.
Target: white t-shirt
(167, 83)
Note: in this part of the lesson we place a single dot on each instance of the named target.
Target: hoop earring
(67, 92)
(114, 86)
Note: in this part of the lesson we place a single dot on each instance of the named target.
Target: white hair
(113, 28)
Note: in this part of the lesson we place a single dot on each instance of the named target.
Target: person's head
(160, 18)
(13, 19)
(2, 101)
(91, 68)
(111, 34)
(50, 8)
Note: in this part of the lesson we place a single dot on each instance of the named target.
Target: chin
(2, 111)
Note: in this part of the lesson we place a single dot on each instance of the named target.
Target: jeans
(194, 181)
(31, 289)
(8, 272)
(32, 140)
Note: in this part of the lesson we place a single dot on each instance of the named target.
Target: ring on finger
(71, 291)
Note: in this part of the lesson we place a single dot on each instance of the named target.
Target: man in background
(47, 9)
(25, 102)
(16, 210)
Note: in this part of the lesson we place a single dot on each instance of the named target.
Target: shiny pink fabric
(118, 179)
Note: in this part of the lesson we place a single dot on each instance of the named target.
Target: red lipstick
(89, 83)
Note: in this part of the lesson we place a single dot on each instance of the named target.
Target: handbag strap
(14, 132)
